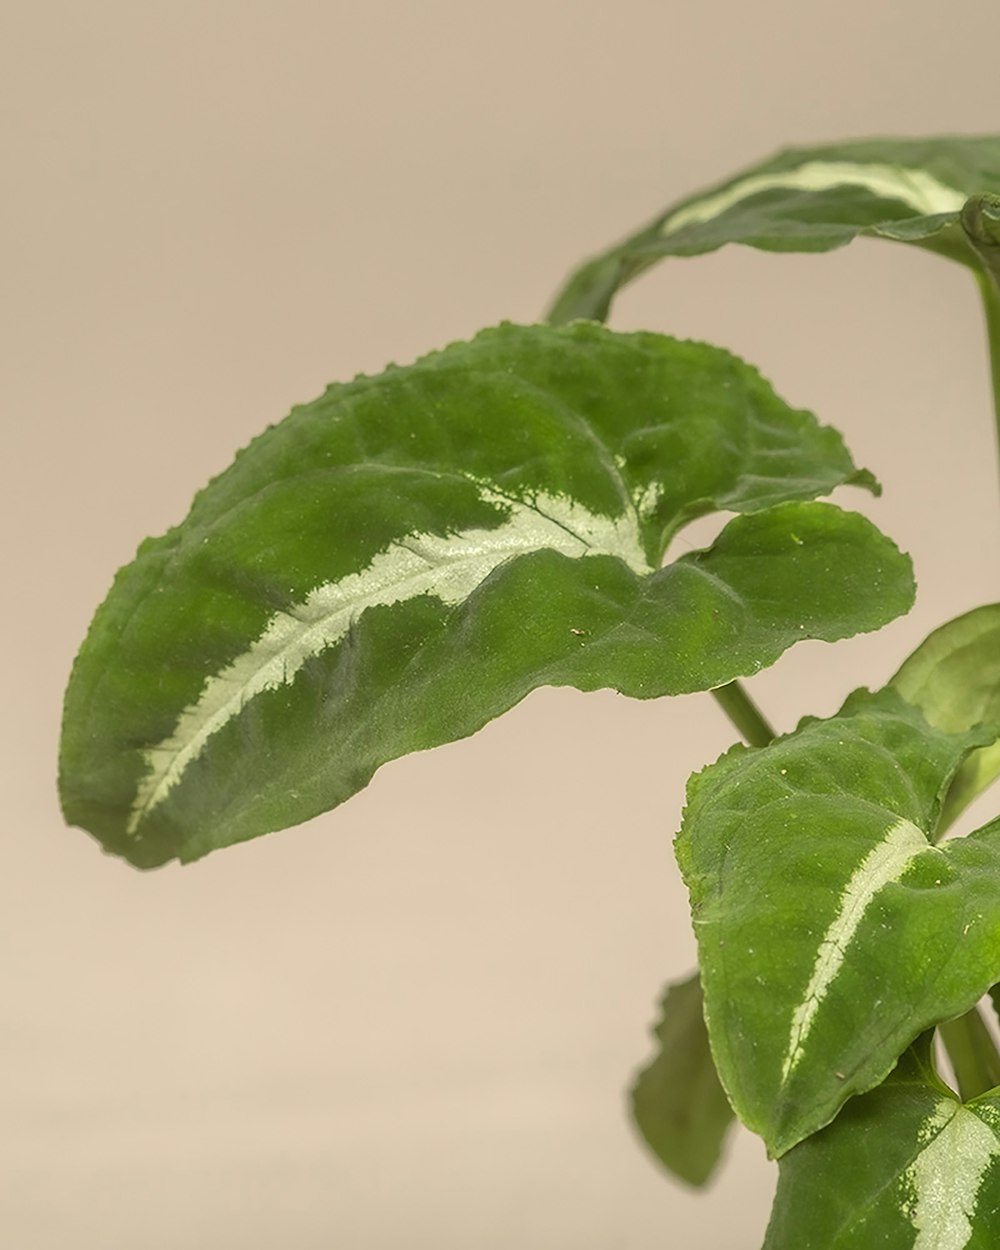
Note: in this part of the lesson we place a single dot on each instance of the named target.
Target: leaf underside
(808, 200)
(408, 556)
(954, 678)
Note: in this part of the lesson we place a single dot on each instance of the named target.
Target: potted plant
(405, 558)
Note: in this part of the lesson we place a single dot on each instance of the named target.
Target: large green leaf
(831, 930)
(954, 678)
(811, 200)
(906, 1167)
(678, 1102)
(408, 556)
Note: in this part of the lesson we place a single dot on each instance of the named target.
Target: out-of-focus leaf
(954, 678)
(812, 200)
(678, 1103)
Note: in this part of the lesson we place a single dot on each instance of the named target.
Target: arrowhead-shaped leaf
(678, 1102)
(905, 1167)
(408, 556)
(954, 678)
(831, 930)
(811, 200)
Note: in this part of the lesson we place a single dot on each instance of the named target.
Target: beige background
(410, 1023)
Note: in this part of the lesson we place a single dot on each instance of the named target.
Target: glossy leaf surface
(905, 1167)
(408, 556)
(810, 200)
(831, 930)
(954, 678)
(678, 1102)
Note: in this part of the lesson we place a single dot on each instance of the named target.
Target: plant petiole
(973, 1054)
(747, 717)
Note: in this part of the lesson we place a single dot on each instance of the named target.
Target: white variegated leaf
(832, 930)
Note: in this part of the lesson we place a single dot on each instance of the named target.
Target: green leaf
(813, 200)
(906, 1167)
(408, 556)
(954, 678)
(678, 1103)
(831, 930)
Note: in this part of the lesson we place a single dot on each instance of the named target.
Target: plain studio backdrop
(411, 1023)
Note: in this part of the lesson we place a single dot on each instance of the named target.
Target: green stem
(972, 1053)
(991, 307)
(967, 1040)
(981, 224)
(745, 714)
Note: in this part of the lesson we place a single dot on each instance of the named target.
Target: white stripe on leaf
(916, 188)
(449, 568)
(941, 1186)
(884, 863)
